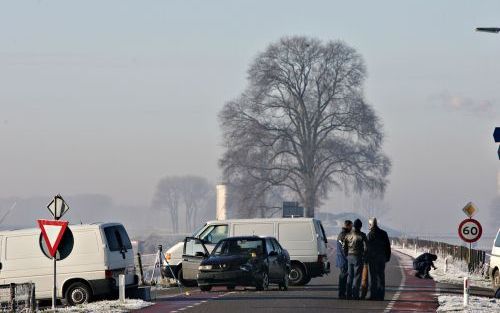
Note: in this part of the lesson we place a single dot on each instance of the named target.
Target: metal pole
(470, 264)
(54, 290)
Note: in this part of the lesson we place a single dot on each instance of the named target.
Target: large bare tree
(303, 122)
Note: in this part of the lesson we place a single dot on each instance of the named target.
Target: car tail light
(108, 274)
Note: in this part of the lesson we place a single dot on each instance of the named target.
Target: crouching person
(423, 263)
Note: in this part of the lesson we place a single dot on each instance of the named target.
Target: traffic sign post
(52, 234)
(470, 230)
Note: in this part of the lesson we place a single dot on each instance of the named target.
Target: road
(404, 293)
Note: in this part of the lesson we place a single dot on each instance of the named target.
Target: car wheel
(495, 279)
(206, 288)
(263, 283)
(296, 275)
(231, 288)
(78, 293)
(285, 282)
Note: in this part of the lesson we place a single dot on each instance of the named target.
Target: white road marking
(396, 295)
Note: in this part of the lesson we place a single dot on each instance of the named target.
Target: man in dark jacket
(379, 253)
(423, 263)
(355, 247)
(342, 258)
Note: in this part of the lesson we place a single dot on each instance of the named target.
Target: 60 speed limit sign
(470, 230)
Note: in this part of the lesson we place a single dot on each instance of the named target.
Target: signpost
(53, 232)
(470, 230)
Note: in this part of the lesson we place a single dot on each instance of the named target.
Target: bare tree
(195, 194)
(184, 194)
(167, 196)
(303, 123)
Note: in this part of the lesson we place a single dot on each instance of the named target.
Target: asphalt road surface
(404, 293)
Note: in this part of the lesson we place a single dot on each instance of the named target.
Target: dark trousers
(343, 280)
(422, 268)
(355, 269)
(377, 279)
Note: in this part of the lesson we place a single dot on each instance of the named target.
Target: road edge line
(396, 295)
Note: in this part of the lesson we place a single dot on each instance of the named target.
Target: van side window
(215, 233)
(117, 238)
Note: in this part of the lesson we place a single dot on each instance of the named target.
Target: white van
(100, 253)
(495, 262)
(303, 238)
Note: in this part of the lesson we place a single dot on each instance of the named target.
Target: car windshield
(239, 247)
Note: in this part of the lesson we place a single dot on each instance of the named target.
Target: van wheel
(495, 279)
(297, 275)
(78, 293)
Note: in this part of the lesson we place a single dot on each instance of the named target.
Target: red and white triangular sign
(52, 232)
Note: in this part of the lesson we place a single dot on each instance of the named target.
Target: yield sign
(52, 232)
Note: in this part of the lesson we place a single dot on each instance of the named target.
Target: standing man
(379, 253)
(342, 258)
(355, 244)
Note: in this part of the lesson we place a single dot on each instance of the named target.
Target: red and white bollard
(466, 291)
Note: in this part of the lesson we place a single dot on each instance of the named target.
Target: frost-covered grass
(455, 273)
(450, 303)
(106, 306)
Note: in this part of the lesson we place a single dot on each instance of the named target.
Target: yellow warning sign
(469, 209)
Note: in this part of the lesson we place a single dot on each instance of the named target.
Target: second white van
(303, 238)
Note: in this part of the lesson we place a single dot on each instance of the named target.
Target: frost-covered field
(455, 273)
(476, 304)
(106, 306)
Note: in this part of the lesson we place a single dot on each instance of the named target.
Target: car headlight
(205, 267)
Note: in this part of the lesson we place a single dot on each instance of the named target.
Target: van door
(120, 256)
(194, 252)
(213, 234)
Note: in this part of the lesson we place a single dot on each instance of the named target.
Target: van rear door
(120, 257)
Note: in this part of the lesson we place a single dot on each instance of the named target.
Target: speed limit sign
(470, 230)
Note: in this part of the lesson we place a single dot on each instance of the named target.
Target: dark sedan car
(245, 261)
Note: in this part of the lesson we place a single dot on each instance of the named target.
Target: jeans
(355, 269)
(377, 281)
(343, 281)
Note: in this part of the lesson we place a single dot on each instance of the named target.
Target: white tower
(222, 202)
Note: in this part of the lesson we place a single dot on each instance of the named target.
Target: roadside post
(53, 232)
(466, 291)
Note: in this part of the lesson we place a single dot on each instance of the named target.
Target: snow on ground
(455, 272)
(106, 306)
(450, 303)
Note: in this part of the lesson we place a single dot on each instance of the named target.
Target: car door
(272, 259)
(282, 258)
(194, 252)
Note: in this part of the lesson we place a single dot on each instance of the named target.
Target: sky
(107, 97)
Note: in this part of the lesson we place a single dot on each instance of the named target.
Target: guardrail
(478, 258)
(17, 297)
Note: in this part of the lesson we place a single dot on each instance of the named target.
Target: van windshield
(117, 238)
(198, 231)
(497, 240)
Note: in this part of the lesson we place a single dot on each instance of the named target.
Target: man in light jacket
(341, 261)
